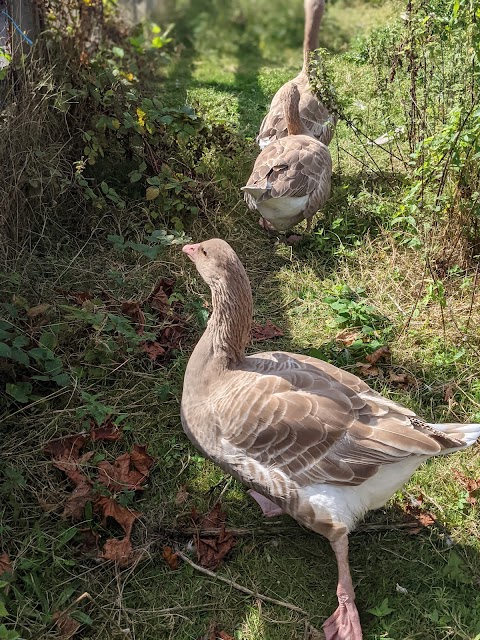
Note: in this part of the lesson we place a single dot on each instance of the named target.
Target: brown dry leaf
(212, 550)
(5, 565)
(118, 476)
(214, 633)
(402, 379)
(171, 337)
(347, 337)
(182, 495)
(133, 310)
(39, 310)
(368, 369)
(170, 557)
(158, 299)
(89, 544)
(110, 508)
(66, 456)
(67, 627)
(108, 430)
(449, 392)
(77, 296)
(120, 551)
(76, 501)
(266, 331)
(377, 355)
(141, 460)
(469, 484)
(153, 350)
(425, 518)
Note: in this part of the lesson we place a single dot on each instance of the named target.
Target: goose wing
(314, 423)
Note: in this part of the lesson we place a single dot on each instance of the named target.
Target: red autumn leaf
(76, 501)
(108, 430)
(214, 633)
(153, 350)
(141, 460)
(66, 456)
(118, 476)
(170, 557)
(213, 549)
(377, 355)
(5, 565)
(266, 331)
(133, 310)
(120, 551)
(67, 627)
(110, 508)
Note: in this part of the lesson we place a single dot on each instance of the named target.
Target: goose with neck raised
(309, 439)
(291, 178)
(315, 116)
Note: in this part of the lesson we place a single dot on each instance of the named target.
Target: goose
(307, 438)
(291, 177)
(314, 114)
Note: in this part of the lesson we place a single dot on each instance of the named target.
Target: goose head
(214, 259)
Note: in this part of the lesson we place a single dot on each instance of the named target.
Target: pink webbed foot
(265, 224)
(344, 624)
(269, 508)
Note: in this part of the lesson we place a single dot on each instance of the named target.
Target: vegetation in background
(116, 147)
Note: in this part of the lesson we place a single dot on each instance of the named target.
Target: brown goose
(308, 438)
(291, 178)
(315, 116)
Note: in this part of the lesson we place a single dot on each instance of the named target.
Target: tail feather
(467, 434)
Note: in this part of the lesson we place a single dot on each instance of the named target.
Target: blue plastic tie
(18, 29)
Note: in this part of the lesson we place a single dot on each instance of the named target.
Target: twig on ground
(239, 587)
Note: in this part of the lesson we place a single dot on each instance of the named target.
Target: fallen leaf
(159, 298)
(266, 331)
(402, 379)
(66, 455)
(110, 508)
(182, 495)
(39, 310)
(119, 476)
(449, 392)
(377, 355)
(120, 551)
(141, 460)
(469, 484)
(347, 337)
(5, 565)
(89, 543)
(153, 350)
(67, 627)
(369, 370)
(212, 550)
(77, 296)
(108, 430)
(170, 557)
(76, 501)
(133, 310)
(214, 633)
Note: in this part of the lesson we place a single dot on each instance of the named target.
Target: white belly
(349, 504)
(283, 213)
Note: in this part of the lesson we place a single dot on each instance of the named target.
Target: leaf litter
(128, 472)
(268, 331)
(470, 485)
(212, 549)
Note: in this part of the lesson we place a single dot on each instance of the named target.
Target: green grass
(234, 58)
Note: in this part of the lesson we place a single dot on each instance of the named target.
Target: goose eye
(204, 252)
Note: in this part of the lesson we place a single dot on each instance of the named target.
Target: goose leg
(265, 224)
(344, 624)
(269, 508)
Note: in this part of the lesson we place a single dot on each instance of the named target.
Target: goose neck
(313, 17)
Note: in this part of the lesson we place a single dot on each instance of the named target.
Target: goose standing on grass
(291, 177)
(315, 116)
(310, 439)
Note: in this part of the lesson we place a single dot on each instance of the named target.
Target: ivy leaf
(5, 350)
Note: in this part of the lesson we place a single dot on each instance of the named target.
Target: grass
(233, 60)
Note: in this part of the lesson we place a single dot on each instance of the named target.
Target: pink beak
(190, 249)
